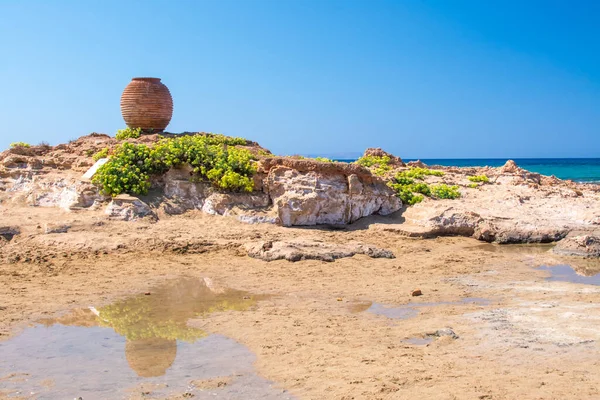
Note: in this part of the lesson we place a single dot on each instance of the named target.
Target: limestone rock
(304, 249)
(8, 232)
(128, 208)
(56, 228)
(316, 197)
(586, 245)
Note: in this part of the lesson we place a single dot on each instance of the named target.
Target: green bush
(473, 185)
(101, 154)
(405, 193)
(479, 178)
(381, 164)
(131, 165)
(411, 192)
(20, 144)
(128, 133)
(323, 159)
(420, 173)
(444, 191)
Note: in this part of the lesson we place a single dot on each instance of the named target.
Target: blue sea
(577, 169)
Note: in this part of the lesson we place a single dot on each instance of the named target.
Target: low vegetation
(128, 133)
(101, 154)
(20, 144)
(412, 192)
(213, 158)
(381, 164)
(444, 191)
(323, 159)
(473, 185)
(479, 179)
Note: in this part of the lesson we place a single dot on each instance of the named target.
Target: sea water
(577, 169)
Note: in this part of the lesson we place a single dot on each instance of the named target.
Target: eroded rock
(8, 232)
(314, 197)
(128, 208)
(586, 245)
(304, 249)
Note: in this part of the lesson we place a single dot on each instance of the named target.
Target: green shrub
(405, 193)
(131, 165)
(444, 191)
(411, 192)
(20, 144)
(422, 188)
(381, 164)
(473, 185)
(323, 159)
(128, 133)
(101, 154)
(420, 173)
(479, 178)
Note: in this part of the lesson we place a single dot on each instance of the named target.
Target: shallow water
(566, 273)
(143, 340)
(411, 310)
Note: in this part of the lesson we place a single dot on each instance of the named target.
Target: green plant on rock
(101, 154)
(128, 133)
(444, 191)
(20, 144)
(473, 185)
(406, 194)
(420, 173)
(479, 178)
(412, 192)
(323, 159)
(131, 165)
(381, 164)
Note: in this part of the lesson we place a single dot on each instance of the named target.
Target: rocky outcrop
(305, 249)
(582, 245)
(317, 197)
(128, 208)
(8, 232)
(290, 192)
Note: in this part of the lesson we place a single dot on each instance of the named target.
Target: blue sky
(422, 79)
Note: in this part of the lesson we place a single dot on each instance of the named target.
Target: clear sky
(422, 79)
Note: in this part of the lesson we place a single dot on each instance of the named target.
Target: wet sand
(316, 336)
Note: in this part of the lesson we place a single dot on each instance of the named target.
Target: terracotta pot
(147, 103)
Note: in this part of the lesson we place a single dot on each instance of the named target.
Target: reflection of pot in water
(150, 357)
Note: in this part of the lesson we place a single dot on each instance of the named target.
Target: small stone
(147, 294)
(417, 292)
(443, 332)
(339, 299)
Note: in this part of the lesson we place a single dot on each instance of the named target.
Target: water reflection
(99, 353)
(152, 323)
(587, 274)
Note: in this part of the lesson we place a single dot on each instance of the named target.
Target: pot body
(147, 103)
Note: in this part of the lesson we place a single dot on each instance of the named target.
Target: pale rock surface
(128, 208)
(516, 207)
(583, 245)
(314, 197)
(306, 249)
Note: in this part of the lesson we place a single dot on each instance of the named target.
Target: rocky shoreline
(512, 206)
